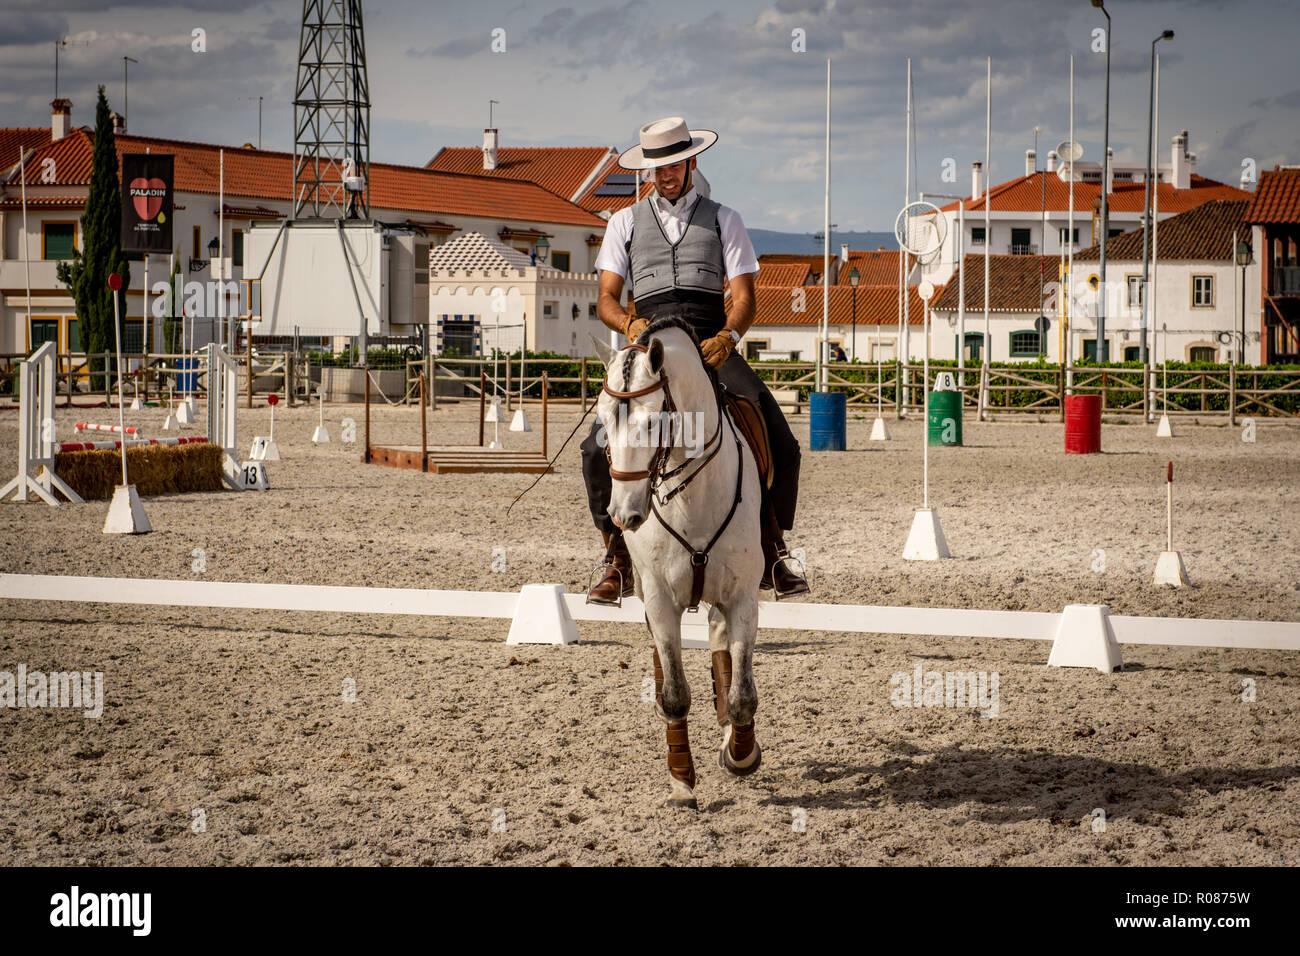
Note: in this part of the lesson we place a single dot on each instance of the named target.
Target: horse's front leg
(672, 693)
(733, 656)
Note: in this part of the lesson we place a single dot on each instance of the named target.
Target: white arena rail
(1083, 634)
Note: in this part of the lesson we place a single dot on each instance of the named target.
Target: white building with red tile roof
(428, 205)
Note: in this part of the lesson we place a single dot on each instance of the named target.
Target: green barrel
(944, 424)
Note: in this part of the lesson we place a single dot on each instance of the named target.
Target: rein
(657, 476)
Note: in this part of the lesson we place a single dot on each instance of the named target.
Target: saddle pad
(749, 420)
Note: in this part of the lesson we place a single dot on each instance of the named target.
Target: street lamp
(1243, 260)
(854, 278)
(1105, 206)
(1146, 207)
(541, 249)
(214, 247)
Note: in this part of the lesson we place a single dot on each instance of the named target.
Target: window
(1063, 238)
(58, 240)
(974, 346)
(237, 247)
(884, 352)
(591, 313)
(754, 346)
(1025, 343)
(421, 263)
(458, 336)
(1134, 292)
(977, 236)
(44, 330)
(560, 260)
(1020, 243)
(550, 310)
(1202, 292)
(1132, 353)
(198, 243)
(132, 337)
(1113, 233)
(74, 335)
(1201, 353)
(1090, 350)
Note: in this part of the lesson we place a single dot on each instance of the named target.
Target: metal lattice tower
(331, 114)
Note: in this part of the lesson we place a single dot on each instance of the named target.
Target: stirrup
(783, 555)
(600, 569)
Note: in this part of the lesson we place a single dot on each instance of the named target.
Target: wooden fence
(993, 392)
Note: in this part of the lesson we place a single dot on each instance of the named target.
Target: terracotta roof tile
(1015, 284)
(875, 305)
(14, 138)
(876, 267)
(264, 174)
(782, 274)
(1201, 233)
(1026, 193)
(561, 169)
(1277, 197)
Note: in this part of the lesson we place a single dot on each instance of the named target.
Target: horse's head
(639, 411)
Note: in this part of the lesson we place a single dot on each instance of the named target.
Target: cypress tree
(86, 275)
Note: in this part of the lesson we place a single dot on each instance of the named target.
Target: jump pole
(1169, 566)
(126, 511)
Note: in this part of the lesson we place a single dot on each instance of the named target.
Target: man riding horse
(679, 248)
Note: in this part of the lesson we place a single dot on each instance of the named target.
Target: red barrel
(1082, 424)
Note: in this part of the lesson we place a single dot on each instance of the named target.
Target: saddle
(749, 422)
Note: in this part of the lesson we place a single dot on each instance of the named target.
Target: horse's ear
(656, 355)
(603, 351)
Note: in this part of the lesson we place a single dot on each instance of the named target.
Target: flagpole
(905, 333)
(823, 350)
(988, 231)
(27, 265)
(221, 252)
(1069, 237)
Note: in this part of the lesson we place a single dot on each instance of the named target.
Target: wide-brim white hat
(666, 141)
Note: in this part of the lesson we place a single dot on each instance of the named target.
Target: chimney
(1182, 173)
(1051, 161)
(1031, 162)
(489, 149)
(1110, 170)
(844, 252)
(119, 124)
(60, 118)
(976, 180)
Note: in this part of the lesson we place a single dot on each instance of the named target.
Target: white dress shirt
(737, 251)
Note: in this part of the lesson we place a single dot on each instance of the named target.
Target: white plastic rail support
(542, 617)
(1085, 638)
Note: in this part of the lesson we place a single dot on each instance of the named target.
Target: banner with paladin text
(147, 202)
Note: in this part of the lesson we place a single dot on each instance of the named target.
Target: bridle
(656, 474)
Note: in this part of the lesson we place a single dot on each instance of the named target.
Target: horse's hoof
(725, 761)
(688, 802)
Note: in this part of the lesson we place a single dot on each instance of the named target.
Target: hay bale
(153, 469)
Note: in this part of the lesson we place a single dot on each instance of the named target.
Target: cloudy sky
(590, 73)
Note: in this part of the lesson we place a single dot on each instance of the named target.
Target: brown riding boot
(616, 575)
(778, 568)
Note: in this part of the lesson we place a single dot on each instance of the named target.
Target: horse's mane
(670, 321)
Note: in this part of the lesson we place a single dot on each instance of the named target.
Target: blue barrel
(187, 382)
(826, 412)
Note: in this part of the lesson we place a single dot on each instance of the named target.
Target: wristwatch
(735, 336)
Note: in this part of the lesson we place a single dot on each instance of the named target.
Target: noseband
(660, 455)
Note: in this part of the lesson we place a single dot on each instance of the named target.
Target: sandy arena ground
(459, 749)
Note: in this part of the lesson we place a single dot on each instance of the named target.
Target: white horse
(690, 517)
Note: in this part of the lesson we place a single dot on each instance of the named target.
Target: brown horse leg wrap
(721, 684)
(659, 681)
(742, 741)
(680, 764)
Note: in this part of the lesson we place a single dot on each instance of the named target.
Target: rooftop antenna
(492, 103)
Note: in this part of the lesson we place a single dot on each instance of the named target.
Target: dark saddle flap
(749, 420)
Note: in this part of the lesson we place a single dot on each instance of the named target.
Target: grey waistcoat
(695, 264)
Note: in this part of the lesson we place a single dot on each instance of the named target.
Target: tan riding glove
(717, 349)
(634, 327)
